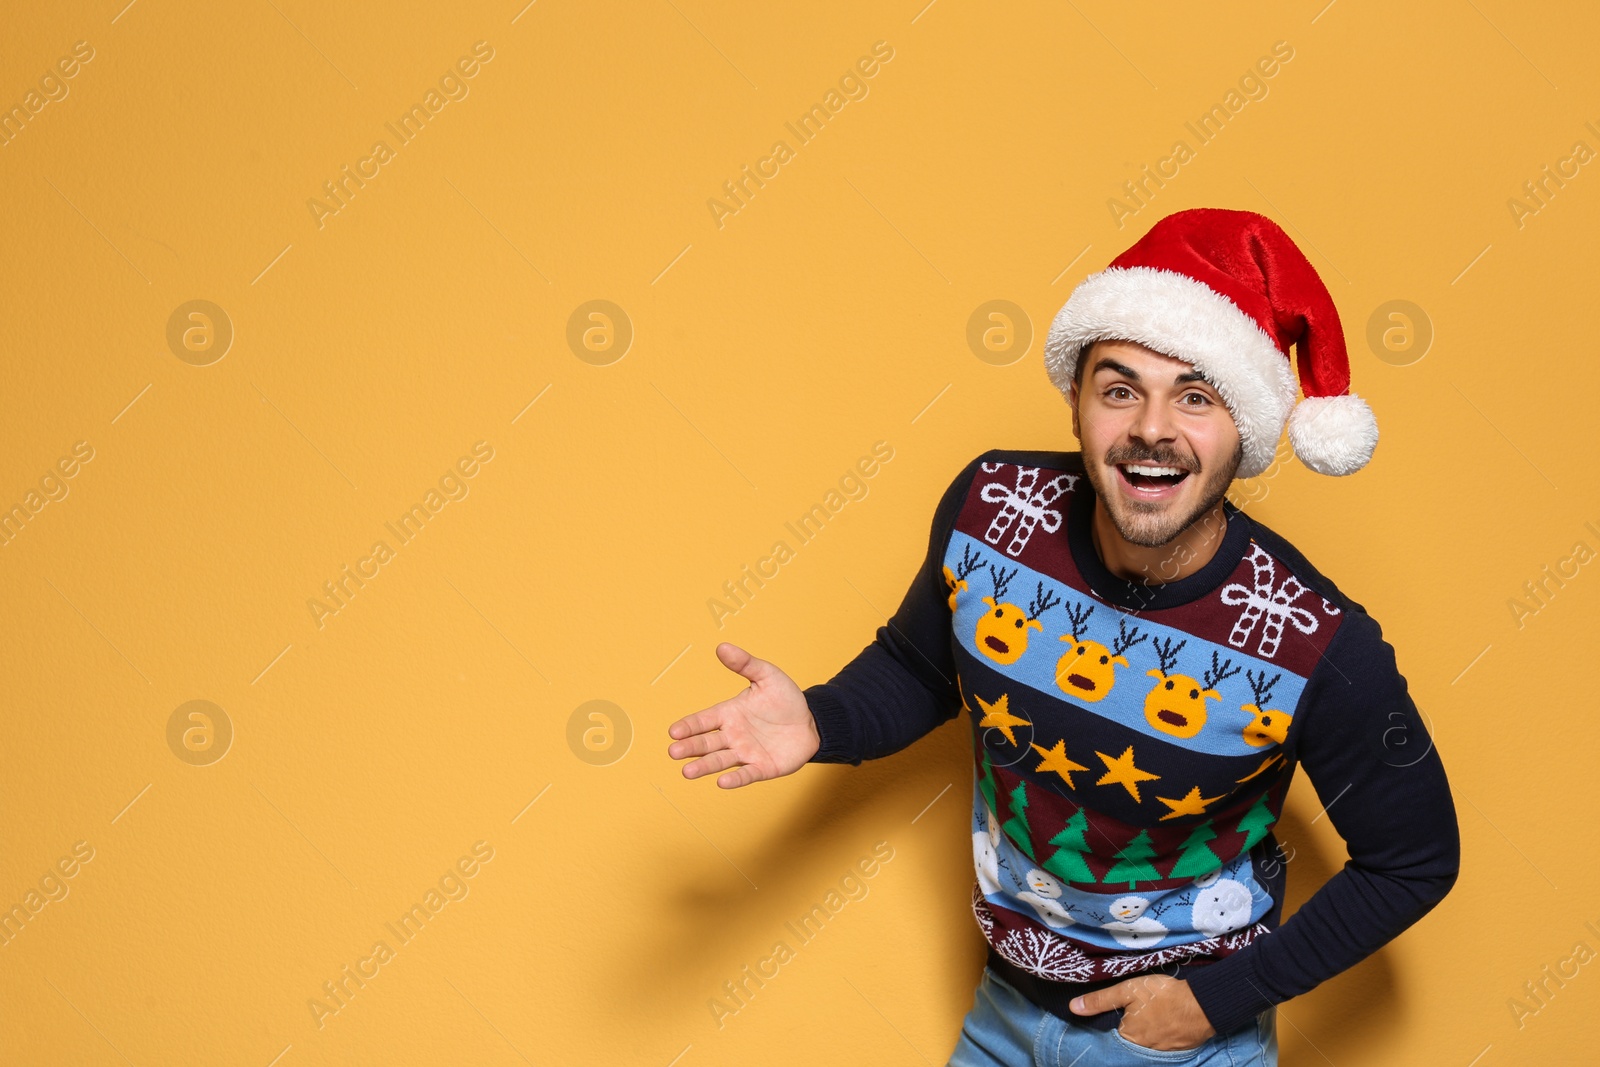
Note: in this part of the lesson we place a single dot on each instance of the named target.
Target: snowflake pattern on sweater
(1134, 741)
(1128, 762)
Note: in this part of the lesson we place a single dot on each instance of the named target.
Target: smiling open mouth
(1152, 476)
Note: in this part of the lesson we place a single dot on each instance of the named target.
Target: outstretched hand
(765, 731)
(1161, 1012)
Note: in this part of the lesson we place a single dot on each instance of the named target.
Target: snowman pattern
(1133, 922)
(1221, 905)
(986, 854)
(1214, 904)
(1043, 895)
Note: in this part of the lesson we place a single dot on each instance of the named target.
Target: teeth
(1138, 468)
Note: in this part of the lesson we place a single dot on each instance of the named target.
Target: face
(1129, 908)
(1043, 884)
(1088, 669)
(1159, 445)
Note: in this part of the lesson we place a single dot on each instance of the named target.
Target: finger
(737, 659)
(740, 776)
(1115, 996)
(719, 760)
(698, 745)
(1142, 992)
(698, 723)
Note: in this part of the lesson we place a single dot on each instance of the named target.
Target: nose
(1154, 423)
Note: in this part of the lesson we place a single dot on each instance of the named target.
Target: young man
(1143, 666)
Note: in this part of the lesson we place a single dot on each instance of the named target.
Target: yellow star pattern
(1121, 771)
(1269, 761)
(999, 716)
(1055, 759)
(1191, 804)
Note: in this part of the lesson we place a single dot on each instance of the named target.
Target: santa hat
(1229, 293)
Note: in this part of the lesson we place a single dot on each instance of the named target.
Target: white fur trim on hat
(1333, 434)
(1181, 317)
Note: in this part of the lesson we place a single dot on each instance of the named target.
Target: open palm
(765, 731)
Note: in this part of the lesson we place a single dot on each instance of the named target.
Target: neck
(1178, 558)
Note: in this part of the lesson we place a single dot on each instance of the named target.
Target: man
(1143, 667)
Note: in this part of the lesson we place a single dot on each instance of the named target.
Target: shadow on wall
(721, 924)
(1355, 1016)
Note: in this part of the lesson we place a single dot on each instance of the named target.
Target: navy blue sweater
(1133, 743)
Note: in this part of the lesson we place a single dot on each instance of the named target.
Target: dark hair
(1077, 369)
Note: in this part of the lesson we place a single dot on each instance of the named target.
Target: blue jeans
(1006, 1029)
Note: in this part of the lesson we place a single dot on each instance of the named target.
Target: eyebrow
(1107, 363)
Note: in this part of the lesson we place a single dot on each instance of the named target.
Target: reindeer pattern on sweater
(1130, 764)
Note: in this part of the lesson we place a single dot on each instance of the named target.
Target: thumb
(743, 663)
(1116, 996)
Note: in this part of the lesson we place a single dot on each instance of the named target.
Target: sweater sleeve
(903, 684)
(1381, 782)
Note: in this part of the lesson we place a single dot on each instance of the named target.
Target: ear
(1120, 659)
(1072, 401)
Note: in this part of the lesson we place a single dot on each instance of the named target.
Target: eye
(1105, 659)
(1194, 694)
(1080, 650)
(999, 612)
(1111, 392)
(1195, 394)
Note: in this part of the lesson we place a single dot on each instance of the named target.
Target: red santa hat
(1228, 292)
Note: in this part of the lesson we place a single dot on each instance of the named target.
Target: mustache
(1155, 458)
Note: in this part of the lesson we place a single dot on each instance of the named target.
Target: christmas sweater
(1133, 744)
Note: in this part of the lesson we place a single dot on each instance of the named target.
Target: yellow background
(769, 354)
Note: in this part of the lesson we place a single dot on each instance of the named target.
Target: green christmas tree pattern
(1133, 863)
(1197, 858)
(1016, 827)
(986, 784)
(1255, 822)
(1068, 862)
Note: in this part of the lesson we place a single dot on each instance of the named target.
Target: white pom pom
(1333, 434)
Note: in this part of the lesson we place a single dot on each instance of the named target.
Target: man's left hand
(1160, 1012)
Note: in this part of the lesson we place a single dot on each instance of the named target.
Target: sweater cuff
(1230, 991)
(833, 726)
